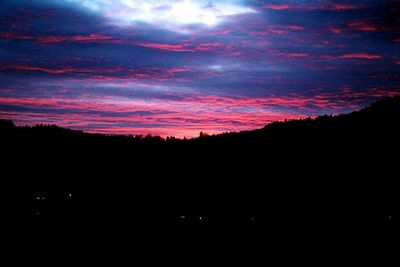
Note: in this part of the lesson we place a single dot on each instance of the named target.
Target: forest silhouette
(343, 164)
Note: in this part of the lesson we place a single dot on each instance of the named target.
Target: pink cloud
(186, 46)
(362, 26)
(295, 27)
(345, 6)
(167, 47)
(189, 47)
(185, 115)
(335, 30)
(297, 54)
(92, 38)
(77, 38)
(269, 30)
(317, 6)
(288, 54)
(360, 56)
(277, 6)
(59, 70)
(105, 74)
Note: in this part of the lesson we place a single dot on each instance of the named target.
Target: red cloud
(345, 6)
(187, 47)
(270, 30)
(77, 38)
(58, 39)
(332, 6)
(297, 54)
(287, 54)
(362, 26)
(335, 30)
(186, 115)
(40, 69)
(167, 47)
(115, 73)
(295, 27)
(99, 38)
(360, 56)
(277, 6)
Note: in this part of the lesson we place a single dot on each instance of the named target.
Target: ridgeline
(345, 164)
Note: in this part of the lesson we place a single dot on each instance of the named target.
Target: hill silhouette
(327, 166)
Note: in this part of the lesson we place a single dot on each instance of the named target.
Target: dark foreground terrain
(332, 172)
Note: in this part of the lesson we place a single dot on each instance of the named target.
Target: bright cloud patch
(170, 14)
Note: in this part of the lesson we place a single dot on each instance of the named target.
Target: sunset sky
(178, 67)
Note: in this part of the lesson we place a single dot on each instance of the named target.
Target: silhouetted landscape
(331, 169)
(130, 126)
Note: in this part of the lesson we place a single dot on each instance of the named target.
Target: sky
(178, 67)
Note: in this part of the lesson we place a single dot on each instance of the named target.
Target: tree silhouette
(330, 163)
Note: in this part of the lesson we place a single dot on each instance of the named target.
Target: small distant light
(183, 217)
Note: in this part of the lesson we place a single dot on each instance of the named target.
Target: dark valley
(333, 170)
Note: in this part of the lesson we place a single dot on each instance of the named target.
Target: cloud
(277, 6)
(185, 115)
(101, 67)
(314, 6)
(175, 15)
(360, 56)
(54, 39)
(99, 73)
(167, 47)
(362, 26)
(339, 7)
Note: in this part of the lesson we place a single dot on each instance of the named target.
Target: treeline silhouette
(345, 164)
(380, 116)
